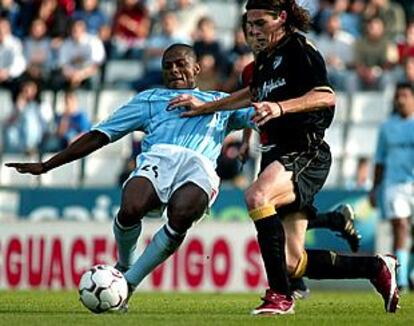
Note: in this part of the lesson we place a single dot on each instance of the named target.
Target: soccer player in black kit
(294, 105)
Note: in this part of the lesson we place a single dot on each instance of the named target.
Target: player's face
(405, 101)
(264, 27)
(179, 70)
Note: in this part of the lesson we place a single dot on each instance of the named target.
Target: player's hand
(265, 111)
(244, 152)
(192, 104)
(31, 168)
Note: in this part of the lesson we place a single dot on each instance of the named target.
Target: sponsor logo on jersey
(277, 62)
(270, 86)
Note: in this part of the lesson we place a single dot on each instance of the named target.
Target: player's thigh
(273, 186)
(295, 225)
(186, 205)
(138, 197)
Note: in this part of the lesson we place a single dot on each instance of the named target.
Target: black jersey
(291, 69)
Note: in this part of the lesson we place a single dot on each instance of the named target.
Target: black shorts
(310, 169)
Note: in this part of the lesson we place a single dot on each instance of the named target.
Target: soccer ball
(103, 288)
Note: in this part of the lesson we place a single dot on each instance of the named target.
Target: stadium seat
(6, 107)
(370, 107)
(67, 175)
(226, 15)
(342, 107)
(102, 171)
(334, 136)
(361, 140)
(120, 73)
(9, 176)
(86, 100)
(109, 100)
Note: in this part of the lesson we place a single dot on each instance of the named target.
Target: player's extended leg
(273, 188)
(341, 220)
(138, 198)
(400, 230)
(324, 264)
(186, 205)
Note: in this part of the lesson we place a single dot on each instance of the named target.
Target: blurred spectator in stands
(210, 74)
(233, 81)
(155, 7)
(38, 54)
(79, 58)
(362, 178)
(321, 16)
(56, 20)
(337, 46)
(68, 5)
(12, 62)
(70, 124)
(348, 11)
(94, 18)
(96, 21)
(189, 13)
(28, 124)
(408, 75)
(355, 21)
(206, 43)
(406, 46)
(239, 47)
(154, 49)
(348, 20)
(394, 162)
(130, 29)
(10, 9)
(374, 57)
(390, 12)
(408, 6)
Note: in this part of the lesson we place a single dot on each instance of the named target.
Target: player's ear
(197, 69)
(283, 16)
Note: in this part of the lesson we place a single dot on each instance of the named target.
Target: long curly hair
(297, 16)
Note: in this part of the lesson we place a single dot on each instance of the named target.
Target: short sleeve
(132, 116)
(312, 68)
(240, 119)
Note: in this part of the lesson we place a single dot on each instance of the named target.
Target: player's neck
(276, 38)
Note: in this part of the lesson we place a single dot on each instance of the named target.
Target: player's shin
(126, 241)
(164, 243)
(271, 238)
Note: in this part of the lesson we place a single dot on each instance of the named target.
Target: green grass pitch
(322, 308)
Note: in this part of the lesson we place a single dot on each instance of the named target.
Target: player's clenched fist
(32, 168)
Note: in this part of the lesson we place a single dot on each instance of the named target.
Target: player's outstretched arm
(195, 107)
(86, 144)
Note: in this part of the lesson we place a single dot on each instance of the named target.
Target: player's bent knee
(181, 217)
(297, 267)
(130, 215)
(255, 198)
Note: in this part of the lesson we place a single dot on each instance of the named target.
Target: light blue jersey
(148, 112)
(395, 149)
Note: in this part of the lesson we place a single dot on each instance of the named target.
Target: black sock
(271, 238)
(324, 264)
(329, 220)
(321, 220)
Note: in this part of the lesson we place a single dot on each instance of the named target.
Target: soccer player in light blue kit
(394, 168)
(176, 168)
